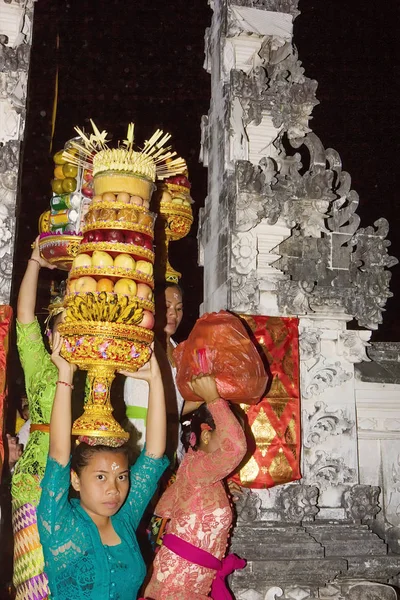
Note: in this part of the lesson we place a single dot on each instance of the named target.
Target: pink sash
(200, 557)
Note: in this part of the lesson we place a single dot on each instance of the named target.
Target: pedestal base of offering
(102, 349)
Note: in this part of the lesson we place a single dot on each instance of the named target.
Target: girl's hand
(14, 450)
(235, 490)
(36, 255)
(63, 366)
(205, 387)
(146, 373)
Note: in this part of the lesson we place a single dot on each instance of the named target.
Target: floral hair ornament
(205, 427)
(192, 439)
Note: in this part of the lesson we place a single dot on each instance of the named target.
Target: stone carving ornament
(322, 375)
(248, 506)
(361, 502)
(14, 64)
(324, 423)
(244, 292)
(353, 345)
(347, 266)
(297, 503)
(279, 88)
(332, 264)
(330, 470)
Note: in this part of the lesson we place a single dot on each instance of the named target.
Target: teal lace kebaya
(77, 564)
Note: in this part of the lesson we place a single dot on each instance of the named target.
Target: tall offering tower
(109, 308)
(280, 241)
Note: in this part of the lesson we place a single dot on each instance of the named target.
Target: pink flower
(192, 439)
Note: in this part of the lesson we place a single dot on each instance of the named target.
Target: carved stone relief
(248, 506)
(244, 252)
(324, 423)
(361, 502)
(322, 375)
(244, 292)
(352, 345)
(15, 34)
(330, 469)
(297, 503)
(332, 265)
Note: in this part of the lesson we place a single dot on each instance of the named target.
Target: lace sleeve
(54, 506)
(145, 474)
(31, 350)
(212, 467)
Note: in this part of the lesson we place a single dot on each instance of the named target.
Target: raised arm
(156, 420)
(156, 423)
(61, 419)
(27, 292)
(214, 466)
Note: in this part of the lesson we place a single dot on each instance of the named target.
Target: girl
(40, 383)
(197, 505)
(89, 545)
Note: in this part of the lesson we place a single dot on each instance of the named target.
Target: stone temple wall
(16, 18)
(280, 236)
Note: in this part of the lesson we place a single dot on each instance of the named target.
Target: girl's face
(174, 308)
(103, 484)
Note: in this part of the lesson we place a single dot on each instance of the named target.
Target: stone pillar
(279, 236)
(16, 19)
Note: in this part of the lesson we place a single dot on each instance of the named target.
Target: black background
(142, 61)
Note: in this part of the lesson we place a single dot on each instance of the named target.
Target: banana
(128, 312)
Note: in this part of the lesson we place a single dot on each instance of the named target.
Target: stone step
(281, 572)
(275, 543)
(347, 540)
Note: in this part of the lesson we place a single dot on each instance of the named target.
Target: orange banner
(5, 322)
(273, 432)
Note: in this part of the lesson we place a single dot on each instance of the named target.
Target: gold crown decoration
(174, 205)
(109, 307)
(124, 169)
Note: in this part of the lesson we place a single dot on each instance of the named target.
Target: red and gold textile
(5, 322)
(274, 441)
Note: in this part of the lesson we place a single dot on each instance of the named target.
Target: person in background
(40, 384)
(90, 544)
(169, 313)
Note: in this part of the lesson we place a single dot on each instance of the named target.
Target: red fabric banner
(5, 322)
(274, 435)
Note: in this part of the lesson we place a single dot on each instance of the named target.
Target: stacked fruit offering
(116, 257)
(60, 226)
(109, 308)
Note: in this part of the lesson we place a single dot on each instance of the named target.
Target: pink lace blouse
(199, 511)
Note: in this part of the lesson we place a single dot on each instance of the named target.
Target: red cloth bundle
(220, 345)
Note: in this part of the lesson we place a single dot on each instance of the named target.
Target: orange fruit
(57, 185)
(58, 172)
(69, 184)
(105, 285)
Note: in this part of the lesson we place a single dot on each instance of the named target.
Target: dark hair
(163, 286)
(191, 423)
(83, 453)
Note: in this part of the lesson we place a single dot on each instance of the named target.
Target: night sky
(142, 61)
